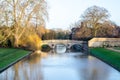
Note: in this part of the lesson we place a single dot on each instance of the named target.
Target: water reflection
(68, 66)
(60, 48)
(27, 69)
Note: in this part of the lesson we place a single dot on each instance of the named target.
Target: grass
(9, 56)
(117, 48)
(108, 56)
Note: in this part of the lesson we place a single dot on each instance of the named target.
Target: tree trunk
(16, 41)
(95, 33)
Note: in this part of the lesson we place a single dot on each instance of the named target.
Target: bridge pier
(52, 46)
(68, 46)
(85, 48)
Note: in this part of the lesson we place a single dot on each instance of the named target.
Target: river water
(60, 65)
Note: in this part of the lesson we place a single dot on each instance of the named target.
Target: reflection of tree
(16, 69)
(34, 58)
(29, 69)
(35, 67)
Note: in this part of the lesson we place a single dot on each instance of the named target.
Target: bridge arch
(45, 48)
(77, 47)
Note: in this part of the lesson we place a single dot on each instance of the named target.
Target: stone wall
(104, 42)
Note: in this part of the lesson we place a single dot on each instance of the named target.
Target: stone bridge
(67, 43)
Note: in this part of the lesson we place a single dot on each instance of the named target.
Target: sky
(63, 13)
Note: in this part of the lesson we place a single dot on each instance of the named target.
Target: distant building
(73, 33)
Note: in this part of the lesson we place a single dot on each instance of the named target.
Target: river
(60, 65)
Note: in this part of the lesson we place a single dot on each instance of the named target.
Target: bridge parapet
(62, 41)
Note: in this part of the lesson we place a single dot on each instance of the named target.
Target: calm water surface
(61, 66)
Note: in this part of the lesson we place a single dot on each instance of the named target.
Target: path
(113, 49)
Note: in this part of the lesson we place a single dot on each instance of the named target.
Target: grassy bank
(108, 56)
(10, 56)
(117, 48)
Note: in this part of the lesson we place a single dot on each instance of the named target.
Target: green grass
(117, 48)
(108, 56)
(9, 56)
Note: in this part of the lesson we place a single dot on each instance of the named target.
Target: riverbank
(109, 56)
(9, 56)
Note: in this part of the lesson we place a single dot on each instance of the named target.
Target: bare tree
(22, 13)
(107, 29)
(93, 16)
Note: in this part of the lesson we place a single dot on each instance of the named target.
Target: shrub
(31, 42)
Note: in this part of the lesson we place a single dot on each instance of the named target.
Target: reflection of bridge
(67, 43)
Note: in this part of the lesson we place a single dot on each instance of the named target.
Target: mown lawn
(117, 48)
(9, 56)
(108, 56)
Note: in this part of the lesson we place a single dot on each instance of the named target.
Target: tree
(5, 37)
(107, 29)
(20, 14)
(95, 16)
(81, 31)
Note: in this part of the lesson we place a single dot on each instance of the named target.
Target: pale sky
(62, 13)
